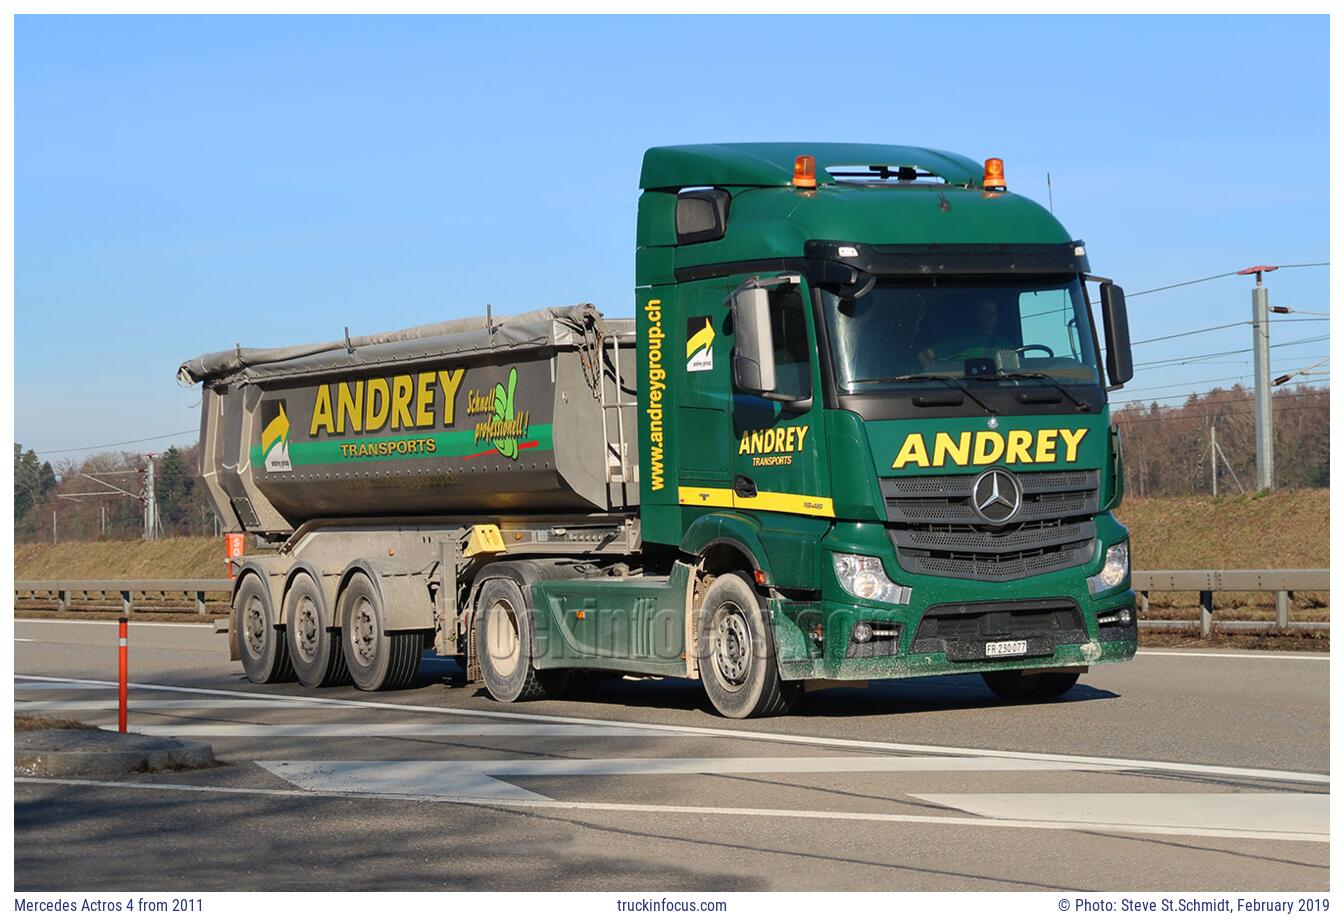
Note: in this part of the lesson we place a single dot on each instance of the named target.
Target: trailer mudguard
(407, 604)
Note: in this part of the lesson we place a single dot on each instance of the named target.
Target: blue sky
(185, 183)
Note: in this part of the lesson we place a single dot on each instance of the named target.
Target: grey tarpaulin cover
(538, 328)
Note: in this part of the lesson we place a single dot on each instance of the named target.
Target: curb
(75, 752)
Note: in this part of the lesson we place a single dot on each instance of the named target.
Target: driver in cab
(981, 338)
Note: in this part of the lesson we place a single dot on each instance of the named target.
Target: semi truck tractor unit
(856, 429)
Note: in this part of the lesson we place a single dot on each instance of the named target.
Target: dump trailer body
(510, 415)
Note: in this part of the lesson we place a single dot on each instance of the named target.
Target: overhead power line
(1168, 287)
(1189, 359)
(157, 437)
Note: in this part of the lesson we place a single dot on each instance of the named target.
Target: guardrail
(1282, 582)
(132, 593)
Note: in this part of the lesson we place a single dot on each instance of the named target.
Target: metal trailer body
(453, 418)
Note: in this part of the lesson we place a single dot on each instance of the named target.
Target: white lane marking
(1243, 812)
(459, 778)
(208, 729)
(437, 779)
(17, 639)
(547, 804)
(154, 705)
(1254, 656)
(771, 737)
(111, 623)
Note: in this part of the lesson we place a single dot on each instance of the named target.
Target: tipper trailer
(857, 429)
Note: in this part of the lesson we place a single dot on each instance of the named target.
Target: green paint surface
(447, 444)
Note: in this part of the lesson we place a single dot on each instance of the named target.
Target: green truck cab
(857, 429)
(876, 390)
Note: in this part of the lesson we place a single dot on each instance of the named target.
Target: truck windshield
(911, 331)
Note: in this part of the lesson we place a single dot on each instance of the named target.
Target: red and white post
(121, 677)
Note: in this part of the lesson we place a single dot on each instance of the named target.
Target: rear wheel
(1043, 685)
(737, 653)
(377, 659)
(261, 641)
(314, 642)
(502, 631)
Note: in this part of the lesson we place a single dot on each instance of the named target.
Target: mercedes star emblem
(996, 496)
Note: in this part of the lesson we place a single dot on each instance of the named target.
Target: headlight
(864, 577)
(1114, 571)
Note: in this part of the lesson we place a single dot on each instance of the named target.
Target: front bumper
(973, 626)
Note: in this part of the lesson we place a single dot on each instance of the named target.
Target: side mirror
(1119, 357)
(754, 355)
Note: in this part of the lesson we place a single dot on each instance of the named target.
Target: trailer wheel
(314, 644)
(502, 630)
(737, 653)
(261, 641)
(1044, 685)
(377, 659)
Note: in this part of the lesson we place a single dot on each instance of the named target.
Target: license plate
(1003, 649)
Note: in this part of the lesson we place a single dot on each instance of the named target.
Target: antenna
(1050, 189)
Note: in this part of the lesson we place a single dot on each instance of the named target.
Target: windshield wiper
(1082, 405)
(949, 381)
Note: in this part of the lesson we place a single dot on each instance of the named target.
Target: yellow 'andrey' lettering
(988, 447)
(1045, 445)
(424, 399)
(449, 381)
(958, 451)
(375, 394)
(912, 451)
(1072, 438)
(321, 411)
(349, 406)
(1019, 447)
(402, 387)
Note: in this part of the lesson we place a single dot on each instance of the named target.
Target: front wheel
(1043, 685)
(737, 653)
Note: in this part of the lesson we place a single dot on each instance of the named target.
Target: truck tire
(377, 659)
(261, 640)
(314, 642)
(502, 630)
(737, 653)
(1043, 685)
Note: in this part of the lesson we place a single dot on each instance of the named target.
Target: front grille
(961, 630)
(936, 531)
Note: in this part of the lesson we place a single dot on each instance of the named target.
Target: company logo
(699, 344)
(981, 448)
(773, 446)
(996, 496)
(275, 436)
(506, 426)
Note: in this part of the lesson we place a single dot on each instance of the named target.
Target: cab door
(778, 461)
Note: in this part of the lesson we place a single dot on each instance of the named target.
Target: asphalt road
(1180, 771)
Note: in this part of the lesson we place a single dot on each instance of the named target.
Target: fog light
(862, 632)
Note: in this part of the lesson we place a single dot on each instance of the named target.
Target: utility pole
(151, 503)
(1264, 408)
(1213, 458)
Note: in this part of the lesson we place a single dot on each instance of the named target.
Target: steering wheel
(1045, 348)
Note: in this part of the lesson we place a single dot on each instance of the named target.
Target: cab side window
(793, 351)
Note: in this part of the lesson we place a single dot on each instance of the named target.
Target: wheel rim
(307, 628)
(254, 626)
(501, 637)
(732, 646)
(364, 632)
